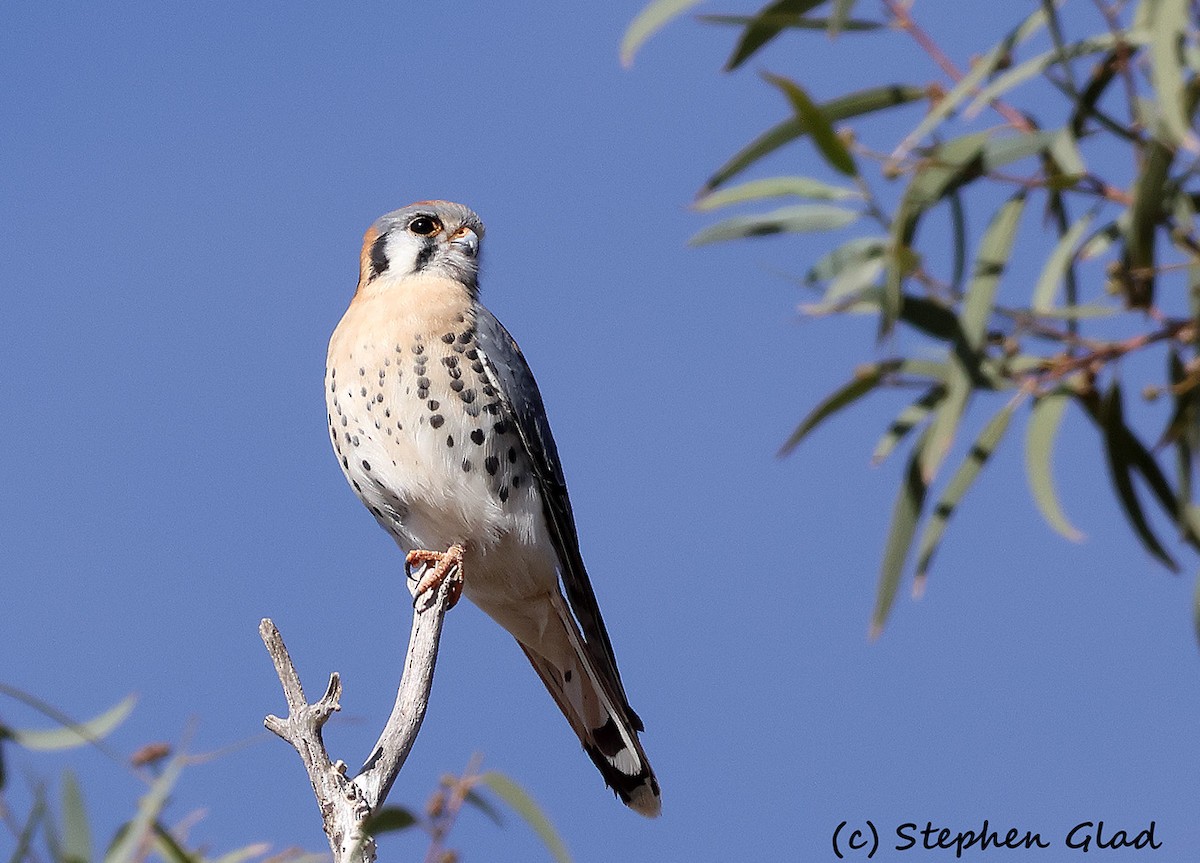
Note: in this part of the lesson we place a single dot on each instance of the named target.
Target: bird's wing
(510, 375)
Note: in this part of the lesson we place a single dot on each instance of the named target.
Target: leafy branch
(1097, 133)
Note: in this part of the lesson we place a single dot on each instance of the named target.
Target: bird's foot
(444, 563)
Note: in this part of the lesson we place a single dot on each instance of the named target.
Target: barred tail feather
(594, 707)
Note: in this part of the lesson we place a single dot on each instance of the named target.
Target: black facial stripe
(423, 256)
(378, 254)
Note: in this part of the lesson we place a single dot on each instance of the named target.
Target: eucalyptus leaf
(906, 513)
(820, 129)
(1045, 420)
(74, 734)
(653, 17)
(854, 104)
(959, 484)
(763, 27)
(521, 803)
(775, 187)
(800, 218)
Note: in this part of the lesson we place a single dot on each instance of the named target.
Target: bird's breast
(420, 430)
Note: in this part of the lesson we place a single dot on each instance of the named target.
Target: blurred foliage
(1081, 116)
(55, 826)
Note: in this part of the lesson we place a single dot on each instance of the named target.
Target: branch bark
(347, 804)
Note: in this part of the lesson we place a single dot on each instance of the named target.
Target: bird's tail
(595, 708)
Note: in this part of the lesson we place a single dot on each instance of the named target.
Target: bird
(441, 431)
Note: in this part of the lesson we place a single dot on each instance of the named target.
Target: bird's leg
(443, 562)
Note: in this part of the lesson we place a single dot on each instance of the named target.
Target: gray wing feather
(510, 374)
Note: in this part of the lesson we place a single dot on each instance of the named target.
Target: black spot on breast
(357, 487)
(448, 338)
(491, 464)
(501, 427)
(477, 436)
(418, 349)
(472, 410)
(516, 481)
(477, 367)
(503, 494)
(467, 395)
(457, 385)
(472, 354)
(450, 361)
(345, 462)
(364, 391)
(361, 371)
(434, 404)
(466, 465)
(512, 455)
(465, 338)
(366, 465)
(567, 676)
(436, 421)
(379, 398)
(423, 383)
(450, 440)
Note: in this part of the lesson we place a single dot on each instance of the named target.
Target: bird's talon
(447, 564)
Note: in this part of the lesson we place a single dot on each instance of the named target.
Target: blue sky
(185, 191)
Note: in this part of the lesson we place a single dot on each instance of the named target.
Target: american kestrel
(441, 431)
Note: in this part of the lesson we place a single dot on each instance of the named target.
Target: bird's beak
(466, 240)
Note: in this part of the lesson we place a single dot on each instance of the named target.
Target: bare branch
(346, 804)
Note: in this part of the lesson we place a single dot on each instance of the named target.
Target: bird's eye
(424, 225)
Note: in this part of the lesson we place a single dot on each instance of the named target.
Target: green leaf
(169, 849)
(1168, 30)
(841, 14)
(791, 21)
(133, 834)
(776, 187)
(763, 28)
(29, 829)
(1146, 212)
(1088, 100)
(959, 484)
(994, 251)
(1057, 264)
(796, 219)
(853, 104)
(1044, 422)
(1120, 463)
(1022, 72)
(256, 849)
(653, 17)
(865, 379)
(935, 443)
(908, 419)
(969, 83)
(390, 819)
(944, 169)
(848, 255)
(77, 835)
(818, 125)
(853, 280)
(521, 803)
(484, 805)
(958, 226)
(1196, 607)
(906, 512)
(74, 734)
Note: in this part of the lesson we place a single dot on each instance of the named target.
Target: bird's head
(436, 238)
